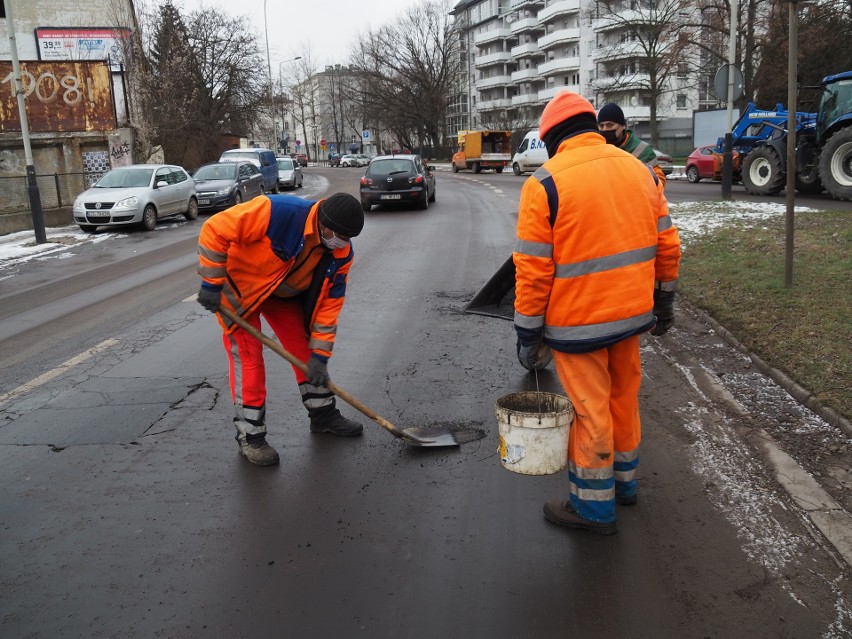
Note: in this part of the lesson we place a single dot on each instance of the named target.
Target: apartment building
(515, 55)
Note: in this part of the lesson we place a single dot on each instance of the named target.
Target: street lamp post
(281, 84)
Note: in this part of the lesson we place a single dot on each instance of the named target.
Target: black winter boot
(257, 451)
(335, 423)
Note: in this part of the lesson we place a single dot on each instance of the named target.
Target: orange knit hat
(563, 106)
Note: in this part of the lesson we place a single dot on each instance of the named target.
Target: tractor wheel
(835, 165)
(762, 173)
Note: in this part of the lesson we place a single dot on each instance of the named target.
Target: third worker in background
(613, 126)
(596, 262)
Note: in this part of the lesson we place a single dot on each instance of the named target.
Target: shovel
(490, 299)
(414, 436)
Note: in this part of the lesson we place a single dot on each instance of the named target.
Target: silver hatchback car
(137, 194)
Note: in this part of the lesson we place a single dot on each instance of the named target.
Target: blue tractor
(823, 145)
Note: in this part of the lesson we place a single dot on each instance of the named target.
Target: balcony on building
(493, 81)
(559, 66)
(493, 105)
(496, 33)
(490, 59)
(546, 94)
(623, 20)
(618, 51)
(527, 50)
(558, 9)
(558, 37)
(625, 82)
(637, 113)
(527, 25)
(527, 4)
(525, 75)
(526, 99)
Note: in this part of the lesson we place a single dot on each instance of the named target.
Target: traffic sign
(322, 143)
(720, 83)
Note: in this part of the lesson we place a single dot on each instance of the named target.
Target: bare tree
(305, 96)
(405, 72)
(644, 47)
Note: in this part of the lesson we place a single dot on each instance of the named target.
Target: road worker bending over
(596, 265)
(285, 259)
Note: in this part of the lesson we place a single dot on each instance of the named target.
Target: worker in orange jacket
(287, 260)
(596, 263)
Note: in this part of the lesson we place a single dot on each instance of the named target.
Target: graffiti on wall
(58, 96)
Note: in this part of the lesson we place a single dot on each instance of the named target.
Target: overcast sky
(328, 27)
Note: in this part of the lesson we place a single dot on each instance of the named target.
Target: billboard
(75, 43)
(58, 96)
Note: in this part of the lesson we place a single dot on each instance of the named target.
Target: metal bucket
(533, 429)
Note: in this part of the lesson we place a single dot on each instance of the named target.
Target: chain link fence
(55, 190)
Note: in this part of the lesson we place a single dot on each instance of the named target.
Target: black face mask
(611, 137)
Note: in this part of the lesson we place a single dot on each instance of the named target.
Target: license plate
(391, 196)
(204, 201)
(98, 213)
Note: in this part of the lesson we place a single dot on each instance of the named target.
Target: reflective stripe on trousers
(247, 369)
(603, 444)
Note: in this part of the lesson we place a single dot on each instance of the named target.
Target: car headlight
(224, 191)
(127, 203)
(78, 206)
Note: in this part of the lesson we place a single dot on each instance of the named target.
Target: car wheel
(455, 169)
(149, 218)
(434, 193)
(424, 203)
(275, 188)
(192, 211)
(88, 228)
(476, 168)
(366, 205)
(692, 174)
(499, 169)
(516, 168)
(238, 197)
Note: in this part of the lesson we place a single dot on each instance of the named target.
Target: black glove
(535, 356)
(317, 371)
(210, 299)
(664, 310)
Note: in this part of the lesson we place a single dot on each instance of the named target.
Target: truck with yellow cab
(483, 150)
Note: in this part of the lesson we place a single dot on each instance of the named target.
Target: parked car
(705, 163)
(301, 158)
(665, 161)
(363, 159)
(224, 184)
(263, 159)
(289, 173)
(137, 194)
(398, 179)
(350, 159)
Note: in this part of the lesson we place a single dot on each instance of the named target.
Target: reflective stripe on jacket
(594, 237)
(247, 250)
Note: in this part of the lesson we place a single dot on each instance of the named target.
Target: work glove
(317, 374)
(534, 357)
(664, 311)
(210, 298)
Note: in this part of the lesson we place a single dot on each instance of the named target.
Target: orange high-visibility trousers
(603, 386)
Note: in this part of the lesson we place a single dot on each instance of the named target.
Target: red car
(301, 158)
(704, 163)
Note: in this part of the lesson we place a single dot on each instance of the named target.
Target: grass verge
(736, 274)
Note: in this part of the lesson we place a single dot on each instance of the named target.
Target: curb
(800, 394)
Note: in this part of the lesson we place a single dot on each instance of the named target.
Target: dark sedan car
(224, 184)
(398, 179)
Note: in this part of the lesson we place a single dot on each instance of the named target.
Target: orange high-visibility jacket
(594, 238)
(248, 250)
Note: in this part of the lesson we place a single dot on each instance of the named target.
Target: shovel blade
(428, 438)
(491, 300)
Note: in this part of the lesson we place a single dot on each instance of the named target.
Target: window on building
(681, 101)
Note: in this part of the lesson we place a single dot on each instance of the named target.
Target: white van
(531, 154)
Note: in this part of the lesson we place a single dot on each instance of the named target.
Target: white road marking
(49, 375)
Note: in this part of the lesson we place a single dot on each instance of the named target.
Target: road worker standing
(596, 263)
(613, 126)
(287, 260)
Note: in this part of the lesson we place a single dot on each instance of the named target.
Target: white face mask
(334, 243)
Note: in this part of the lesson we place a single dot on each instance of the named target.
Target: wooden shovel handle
(295, 361)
